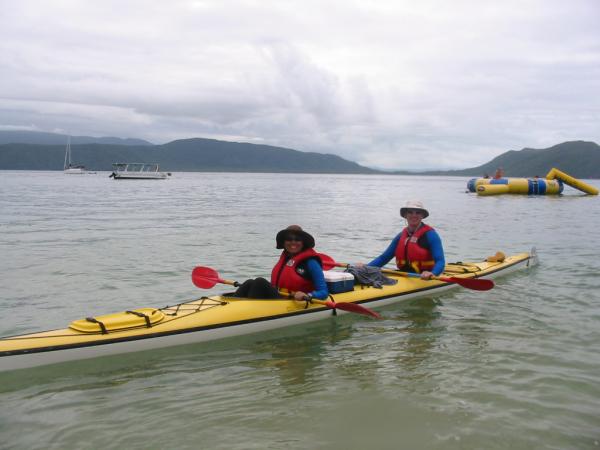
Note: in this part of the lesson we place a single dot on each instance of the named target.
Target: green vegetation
(40, 138)
(188, 155)
(577, 158)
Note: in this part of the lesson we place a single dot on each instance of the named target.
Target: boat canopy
(135, 167)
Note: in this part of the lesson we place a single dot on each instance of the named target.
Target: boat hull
(218, 317)
(138, 171)
(140, 176)
(77, 171)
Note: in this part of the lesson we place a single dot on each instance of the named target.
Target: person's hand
(426, 275)
(359, 265)
(299, 295)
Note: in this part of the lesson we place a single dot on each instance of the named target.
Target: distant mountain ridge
(186, 155)
(580, 159)
(42, 138)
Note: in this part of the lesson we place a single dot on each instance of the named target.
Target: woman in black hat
(298, 270)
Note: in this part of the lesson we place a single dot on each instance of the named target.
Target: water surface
(516, 367)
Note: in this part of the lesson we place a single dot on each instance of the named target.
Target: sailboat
(70, 168)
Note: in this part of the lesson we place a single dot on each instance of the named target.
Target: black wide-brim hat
(295, 230)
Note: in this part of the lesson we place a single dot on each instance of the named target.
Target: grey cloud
(398, 85)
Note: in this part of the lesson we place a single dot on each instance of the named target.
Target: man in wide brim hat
(414, 205)
(295, 231)
(417, 248)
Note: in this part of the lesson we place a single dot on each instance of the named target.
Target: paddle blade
(477, 284)
(205, 277)
(354, 308)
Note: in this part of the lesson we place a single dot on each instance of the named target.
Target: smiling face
(293, 244)
(414, 218)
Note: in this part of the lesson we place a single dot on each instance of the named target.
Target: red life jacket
(410, 255)
(285, 274)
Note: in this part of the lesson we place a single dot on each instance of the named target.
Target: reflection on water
(353, 346)
(296, 360)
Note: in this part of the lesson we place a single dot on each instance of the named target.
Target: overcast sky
(402, 84)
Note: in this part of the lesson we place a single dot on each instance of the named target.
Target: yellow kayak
(216, 317)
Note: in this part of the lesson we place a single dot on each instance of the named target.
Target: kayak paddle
(346, 306)
(477, 284)
(206, 277)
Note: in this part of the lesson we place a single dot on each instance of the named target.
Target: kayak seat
(141, 317)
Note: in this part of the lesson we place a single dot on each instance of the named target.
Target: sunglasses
(293, 238)
(414, 211)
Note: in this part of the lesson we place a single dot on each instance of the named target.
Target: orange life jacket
(289, 273)
(410, 256)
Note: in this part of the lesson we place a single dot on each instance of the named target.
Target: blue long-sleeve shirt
(318, 279)
(435, 247)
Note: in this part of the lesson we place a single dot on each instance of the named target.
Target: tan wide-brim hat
(414, 204)
(295, 230)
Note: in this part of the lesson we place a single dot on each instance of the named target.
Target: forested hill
(38, 151)
(580, 159)
(41, 138)
(187, 155)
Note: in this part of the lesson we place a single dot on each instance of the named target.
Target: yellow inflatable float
(573, 182)
(551, 185)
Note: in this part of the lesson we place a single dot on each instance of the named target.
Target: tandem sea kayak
(215, 317)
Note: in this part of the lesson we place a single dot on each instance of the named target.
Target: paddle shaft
(412, 275)
(344, 306)
(330, 262)
(477, 284)
(205, 277)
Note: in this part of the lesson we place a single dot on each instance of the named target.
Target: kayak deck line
(173, 311)
(215, 317)
(143, 336)
(156, 325)
(184, 330)
(197, 309)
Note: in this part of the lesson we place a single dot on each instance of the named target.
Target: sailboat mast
(68, 154)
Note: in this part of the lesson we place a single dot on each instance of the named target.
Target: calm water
(517, 367)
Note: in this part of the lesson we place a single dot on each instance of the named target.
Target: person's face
(293, 244)
(414, 217)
